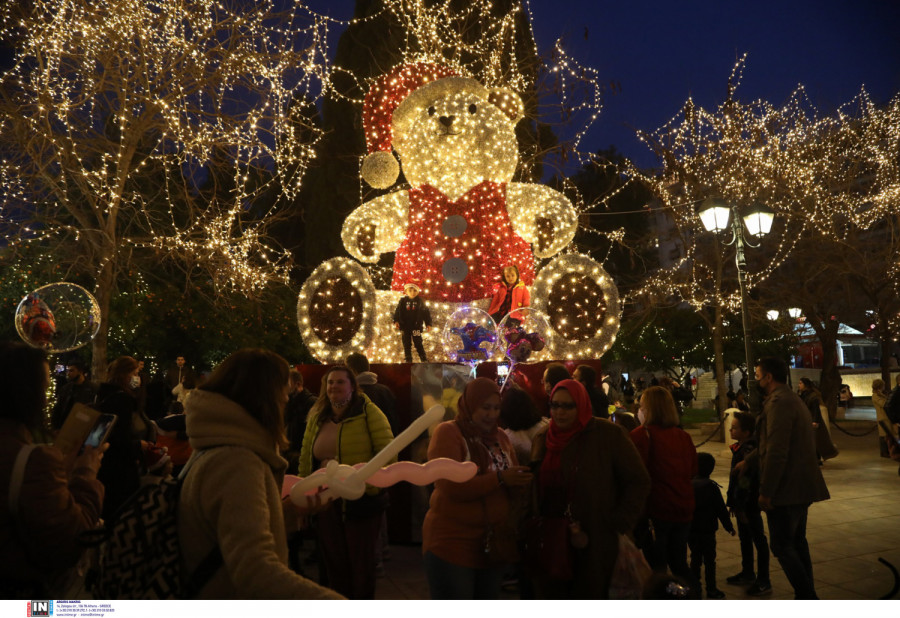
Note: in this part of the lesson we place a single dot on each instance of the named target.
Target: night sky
(663, 52)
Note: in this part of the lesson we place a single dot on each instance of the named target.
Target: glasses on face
(565, 405)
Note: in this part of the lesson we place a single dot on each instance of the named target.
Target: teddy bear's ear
(509, 102)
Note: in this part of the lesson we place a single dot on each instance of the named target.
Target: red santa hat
(390, 105)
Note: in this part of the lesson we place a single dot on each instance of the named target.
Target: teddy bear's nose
(447, 120)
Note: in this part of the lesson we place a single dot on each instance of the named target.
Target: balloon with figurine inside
(466, 240)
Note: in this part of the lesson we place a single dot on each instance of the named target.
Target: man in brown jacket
(790, 479)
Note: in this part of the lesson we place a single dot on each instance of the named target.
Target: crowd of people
(554, 497)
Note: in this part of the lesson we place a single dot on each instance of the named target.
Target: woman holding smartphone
(58, 498)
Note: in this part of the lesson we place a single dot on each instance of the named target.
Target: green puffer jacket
(362, 433)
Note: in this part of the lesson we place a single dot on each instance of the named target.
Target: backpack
(139, 554)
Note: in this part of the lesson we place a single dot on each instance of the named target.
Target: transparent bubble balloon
(469, 336)
(523, 334)
(58, 317)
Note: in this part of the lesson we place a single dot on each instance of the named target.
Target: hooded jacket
(232, 497)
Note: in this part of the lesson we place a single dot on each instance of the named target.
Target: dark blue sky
(663, 52)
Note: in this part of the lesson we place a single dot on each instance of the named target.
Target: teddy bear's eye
(473, 108)
(431, 110)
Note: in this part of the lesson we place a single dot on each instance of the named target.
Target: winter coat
(412, 314)
(709, 507)
(363, 432)
(123, 462)
(671, 460)
(382, 396)
(743, 489)
(879, 400)
(459, 513)
(789, 471)
(56, 504)
(609, 488)
(520, 298)
(231, 497)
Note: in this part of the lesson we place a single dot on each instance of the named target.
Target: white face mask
(135, 381)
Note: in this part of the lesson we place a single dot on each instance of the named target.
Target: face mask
(135, 382)
(641, 417)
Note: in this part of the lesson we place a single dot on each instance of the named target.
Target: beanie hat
(412, 285)
(390, 106)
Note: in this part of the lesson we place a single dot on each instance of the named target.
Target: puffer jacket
(362, 433)
(232, 497)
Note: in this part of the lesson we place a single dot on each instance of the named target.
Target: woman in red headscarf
(463, 517)
(590, 474)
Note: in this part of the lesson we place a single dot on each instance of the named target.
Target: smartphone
(100, 431)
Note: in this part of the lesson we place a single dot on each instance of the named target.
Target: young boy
(743, 496)
(709, 510)
(412, 317)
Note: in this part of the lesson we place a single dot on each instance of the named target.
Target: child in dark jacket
(743, 502)
(709, 510)
(411, 317)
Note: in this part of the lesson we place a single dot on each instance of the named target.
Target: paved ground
(847, 534)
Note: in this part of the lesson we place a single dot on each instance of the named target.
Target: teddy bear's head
(450, 132)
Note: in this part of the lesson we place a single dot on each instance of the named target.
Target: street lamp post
(714, 214)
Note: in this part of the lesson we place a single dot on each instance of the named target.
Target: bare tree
(143, 135)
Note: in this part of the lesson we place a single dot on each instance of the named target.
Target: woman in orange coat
(462, 516)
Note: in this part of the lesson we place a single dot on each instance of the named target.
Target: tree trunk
(719, 359)
(103, 292)
(830, 379)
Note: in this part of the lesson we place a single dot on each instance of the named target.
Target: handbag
(548, 548)
(630, 573)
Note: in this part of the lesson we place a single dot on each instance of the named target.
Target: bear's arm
(528, 204)
(377, 226)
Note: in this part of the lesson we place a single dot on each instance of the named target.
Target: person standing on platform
(509, 295)
(412, 318)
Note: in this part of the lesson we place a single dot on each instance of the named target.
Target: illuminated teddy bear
(461, 220)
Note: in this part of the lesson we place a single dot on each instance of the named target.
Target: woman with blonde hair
(231, 498)
(671, 459)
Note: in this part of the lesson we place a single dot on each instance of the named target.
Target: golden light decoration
(336, 310)
(461, 221)
(137, 133)
(582, 303)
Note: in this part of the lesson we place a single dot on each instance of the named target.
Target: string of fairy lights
(461, 219)
(119, 118)
(806, 168)
(117, 114)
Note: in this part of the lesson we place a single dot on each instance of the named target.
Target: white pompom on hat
(384, 112)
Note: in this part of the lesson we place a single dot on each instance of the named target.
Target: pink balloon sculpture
(349, 482)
